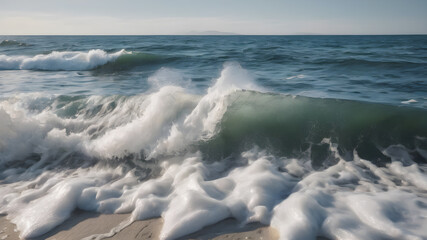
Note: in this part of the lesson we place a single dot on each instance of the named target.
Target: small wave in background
(75, 61)
(7, 43)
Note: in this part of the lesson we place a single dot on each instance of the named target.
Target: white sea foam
(140, 124)
(340, 202)
(300, 76)
(409, 101)
(60, 60)
(349, 200)
(188, 119)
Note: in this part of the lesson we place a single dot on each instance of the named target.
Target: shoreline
(83, 224)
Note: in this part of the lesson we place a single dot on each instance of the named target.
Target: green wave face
(290, 125)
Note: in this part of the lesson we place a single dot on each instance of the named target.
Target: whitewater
(195, 152)
(60, 60)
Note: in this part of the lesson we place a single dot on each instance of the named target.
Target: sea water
(316, 136)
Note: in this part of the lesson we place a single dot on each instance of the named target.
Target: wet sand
(84, 224)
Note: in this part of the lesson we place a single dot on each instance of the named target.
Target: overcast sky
(238, 16)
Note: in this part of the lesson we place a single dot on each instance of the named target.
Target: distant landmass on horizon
(210, 33)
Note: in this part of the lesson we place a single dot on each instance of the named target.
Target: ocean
(315, 136)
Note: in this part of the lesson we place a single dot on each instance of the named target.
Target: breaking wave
(7, 43)
(78, 61)
(309, 167)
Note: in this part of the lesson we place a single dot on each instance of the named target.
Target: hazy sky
(238, 16)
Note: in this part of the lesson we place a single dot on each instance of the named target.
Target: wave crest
(7, 43)
(67, 61)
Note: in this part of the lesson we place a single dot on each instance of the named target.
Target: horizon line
(234, 34)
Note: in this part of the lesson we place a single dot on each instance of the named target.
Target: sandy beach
(84, 224)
